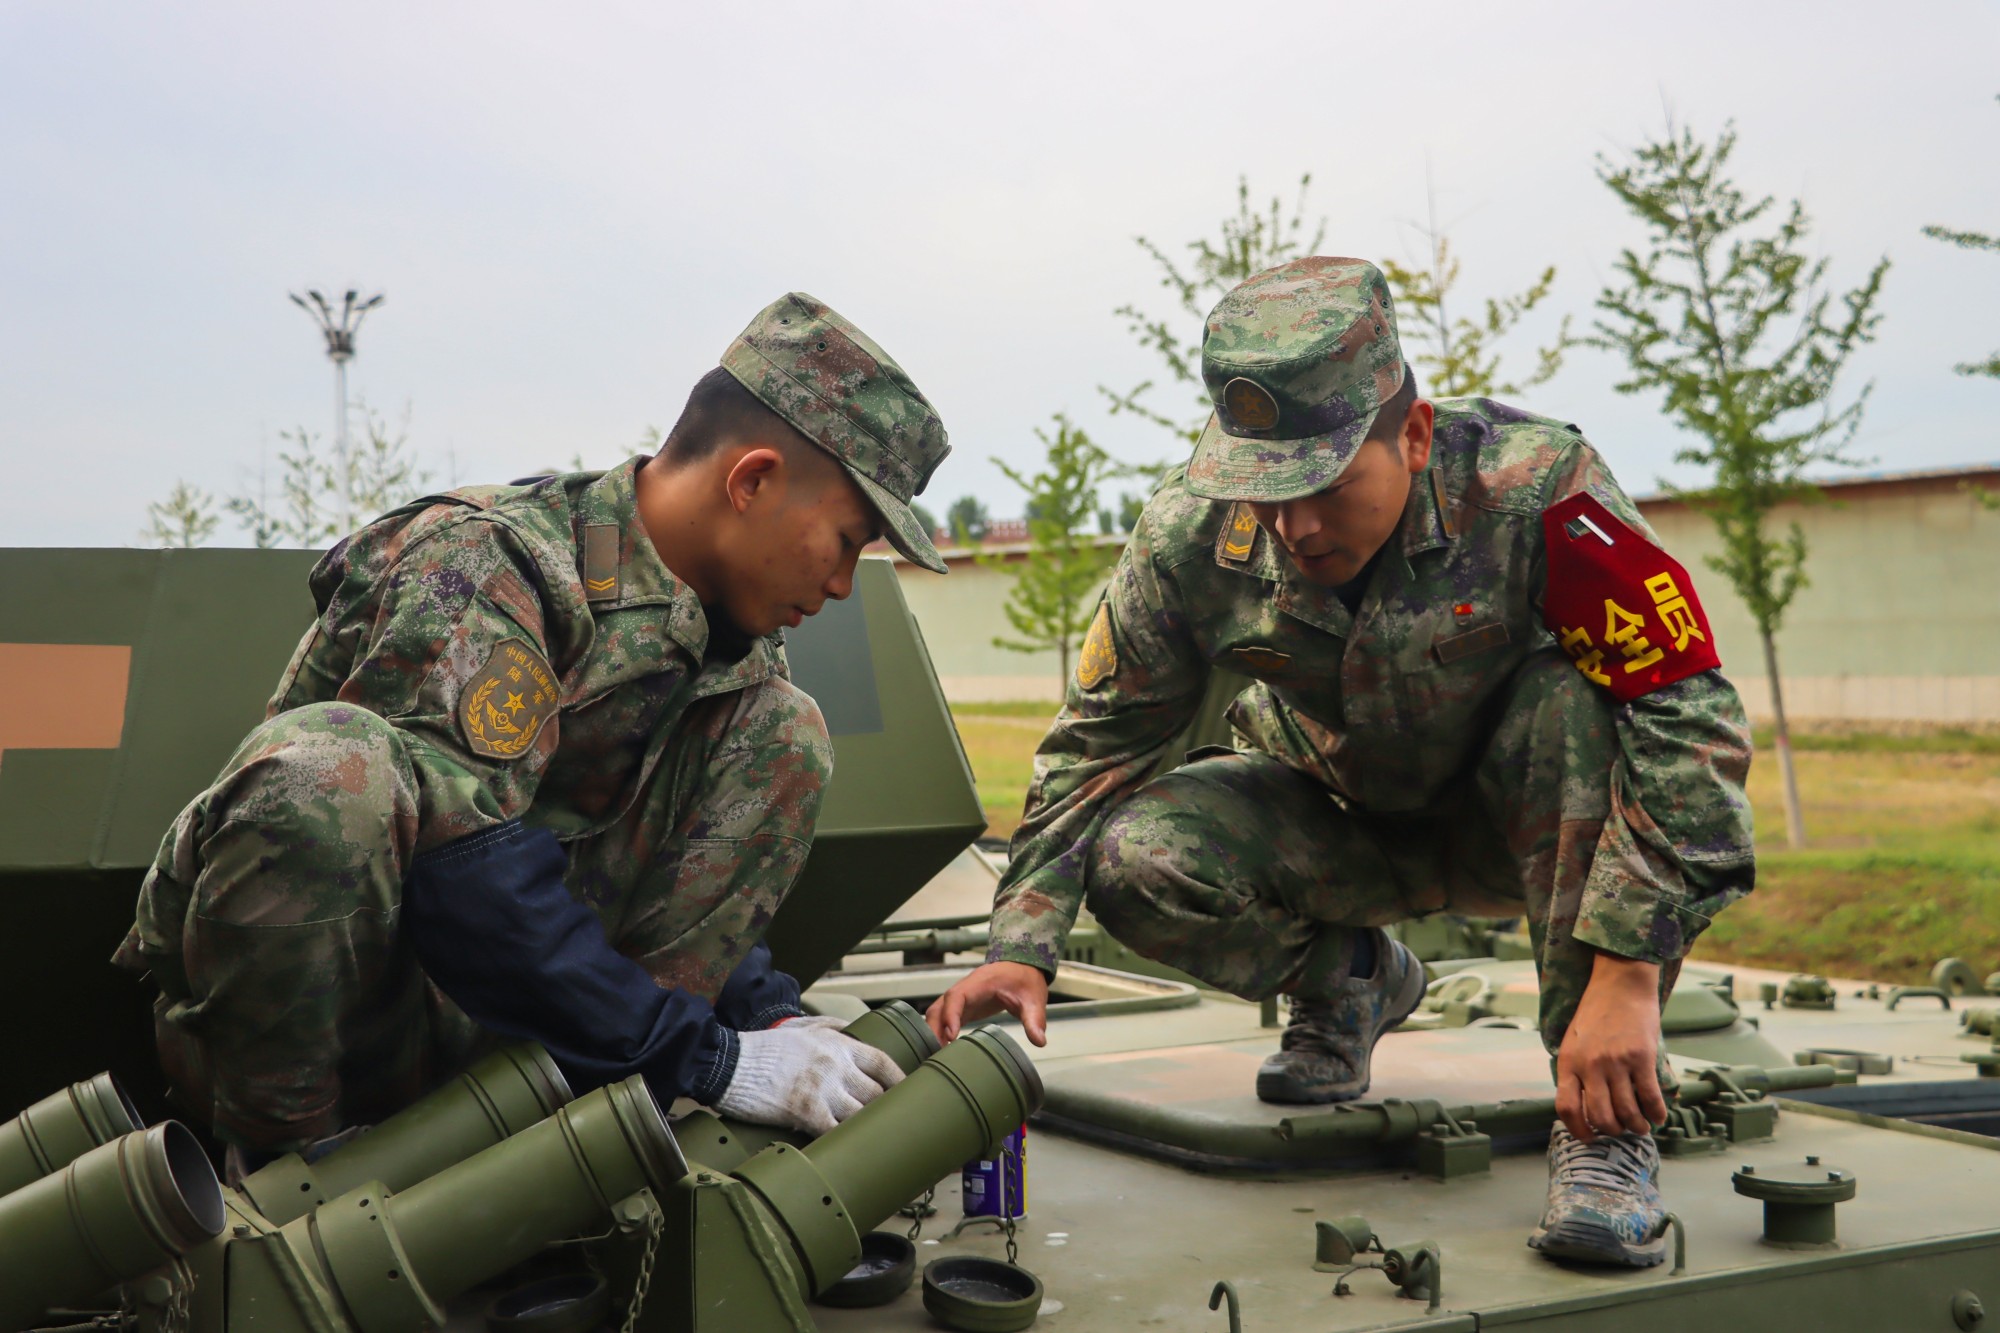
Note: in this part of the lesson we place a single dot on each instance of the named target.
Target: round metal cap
(1810, 1183)
(888, 1266)
(979, 1295)
(567, 1303)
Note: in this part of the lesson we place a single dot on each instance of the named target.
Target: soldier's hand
(804, 1075)
(1019, 989)
(1607, 1072)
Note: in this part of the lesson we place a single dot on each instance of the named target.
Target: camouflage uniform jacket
(415, 606)
(1384, 707)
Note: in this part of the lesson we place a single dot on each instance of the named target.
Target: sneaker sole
(1282, 1092)
(1581, 1241)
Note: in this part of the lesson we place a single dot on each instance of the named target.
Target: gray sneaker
(1323, 1056)
(1604, 1201)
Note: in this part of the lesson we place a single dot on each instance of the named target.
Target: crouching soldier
(1477, 685)
(536, 771)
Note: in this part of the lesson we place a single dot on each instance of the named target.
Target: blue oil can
(997, 1186)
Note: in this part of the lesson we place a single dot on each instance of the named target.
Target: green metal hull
(1154, 1173)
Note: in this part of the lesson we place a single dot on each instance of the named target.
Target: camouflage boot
(1604, 1201)
(1323, 1056)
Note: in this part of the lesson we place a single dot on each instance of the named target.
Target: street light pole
(339, 330)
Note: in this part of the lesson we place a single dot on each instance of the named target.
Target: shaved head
(719, 412)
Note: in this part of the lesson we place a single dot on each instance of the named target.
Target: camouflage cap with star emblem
(843, 392)
(1298, 360)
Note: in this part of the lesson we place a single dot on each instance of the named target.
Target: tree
(1456, 357)
(382, 472)
(385, 467)
(1727, 317)
(925, 519)
(1250, 243)
(186, 518)
(1055, 583)
(966, 519)
(1971, 240)
(304, 514)
(1131, 504)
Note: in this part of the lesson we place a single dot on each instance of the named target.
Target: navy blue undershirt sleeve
(494, 927)
(757, 994)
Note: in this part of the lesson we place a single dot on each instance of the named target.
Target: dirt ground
(1901, 866)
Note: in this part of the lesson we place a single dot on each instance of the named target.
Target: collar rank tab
(600, 562)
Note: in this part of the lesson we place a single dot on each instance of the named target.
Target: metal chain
(918, 1211)
(175, 1320)
(655, 1224)
(180, 1288)
(1013, 1248)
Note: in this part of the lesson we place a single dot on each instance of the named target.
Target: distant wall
(1901, 620)
(960, 614)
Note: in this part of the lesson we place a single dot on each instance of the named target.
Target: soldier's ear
(1417, 435)
(751, 475)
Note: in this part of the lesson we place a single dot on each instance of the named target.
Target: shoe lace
(1614, 1162)
(1311, 1026)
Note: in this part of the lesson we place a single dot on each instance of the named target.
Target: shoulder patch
(1238, 539)
(1624, 610)
(1098, 661)
(505, 703)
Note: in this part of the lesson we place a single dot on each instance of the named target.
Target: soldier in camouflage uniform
(537, 771)
(1431, 724)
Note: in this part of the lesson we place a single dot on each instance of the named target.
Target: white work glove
(804, 1074)
(816, 1021)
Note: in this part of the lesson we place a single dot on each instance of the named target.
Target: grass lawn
(1902, 866)
(1001, 748)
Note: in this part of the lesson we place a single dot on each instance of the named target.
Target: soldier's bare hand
(1019, 989)
(1607, 1072)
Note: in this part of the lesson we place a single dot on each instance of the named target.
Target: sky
(573, 209)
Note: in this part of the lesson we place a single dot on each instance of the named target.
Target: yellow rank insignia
(1099, 659)
(505, 704)
(1239, 538)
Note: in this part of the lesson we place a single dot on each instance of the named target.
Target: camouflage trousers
(289, 1006)
(1253, 877)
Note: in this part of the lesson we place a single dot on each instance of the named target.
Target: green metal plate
(209, 633)
(1123, 1242)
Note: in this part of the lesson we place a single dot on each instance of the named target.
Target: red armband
(1624, 610)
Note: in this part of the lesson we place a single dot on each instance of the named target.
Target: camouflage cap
(1298, 360)
(844, 393)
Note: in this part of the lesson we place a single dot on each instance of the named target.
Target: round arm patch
(1624, 610)
(507, 700)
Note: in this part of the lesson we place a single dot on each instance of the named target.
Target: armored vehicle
(1828, 1161)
